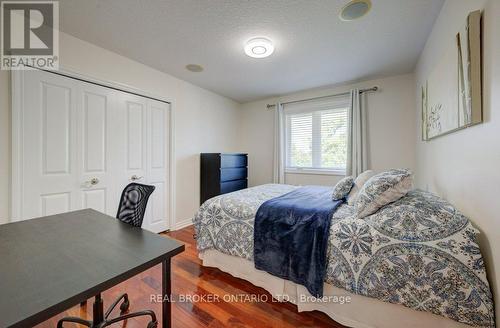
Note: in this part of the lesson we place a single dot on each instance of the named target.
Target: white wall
(391, 129)
(463, 167)
(4, 146)
(204, 121)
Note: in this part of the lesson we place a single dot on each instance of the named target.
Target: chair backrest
(133, 203)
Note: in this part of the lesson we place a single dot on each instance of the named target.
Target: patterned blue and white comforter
(418, 251)
(226, 222)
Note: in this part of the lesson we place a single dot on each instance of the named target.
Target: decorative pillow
(382, 189)
(342, 188)
(358, 184)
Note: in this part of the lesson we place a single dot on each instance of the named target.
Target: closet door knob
(135, 177)
(92, 182)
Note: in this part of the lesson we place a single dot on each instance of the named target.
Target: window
(316, 136)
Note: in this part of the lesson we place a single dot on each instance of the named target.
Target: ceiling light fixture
(194, 68)
(355, 9)
(259, 47)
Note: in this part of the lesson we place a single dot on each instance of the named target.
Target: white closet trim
(17, 132)
(71, 73)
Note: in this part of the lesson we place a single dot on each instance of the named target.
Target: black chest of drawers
(222, 173)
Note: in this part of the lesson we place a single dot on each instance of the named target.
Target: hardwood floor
(190, 278)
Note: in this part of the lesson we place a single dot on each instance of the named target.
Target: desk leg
(166, 291)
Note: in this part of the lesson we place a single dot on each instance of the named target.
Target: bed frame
(359, 312)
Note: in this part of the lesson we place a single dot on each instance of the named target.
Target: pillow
(382, 189)
(358, 184)
(342, 188)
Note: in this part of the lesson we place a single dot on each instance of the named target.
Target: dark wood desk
(50, 264)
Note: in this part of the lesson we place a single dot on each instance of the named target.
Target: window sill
(315, 171)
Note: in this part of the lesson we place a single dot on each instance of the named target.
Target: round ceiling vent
(194, 68)
(355, 9)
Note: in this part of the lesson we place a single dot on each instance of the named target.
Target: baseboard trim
(182, 224)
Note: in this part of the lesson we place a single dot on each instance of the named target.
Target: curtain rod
(375, 88)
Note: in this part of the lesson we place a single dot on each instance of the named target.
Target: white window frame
(314, 107)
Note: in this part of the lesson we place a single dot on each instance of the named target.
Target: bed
(413, 263)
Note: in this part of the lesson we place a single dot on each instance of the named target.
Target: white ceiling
(313, 47)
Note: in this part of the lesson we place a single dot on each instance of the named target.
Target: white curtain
(356, 152)
(279, 145)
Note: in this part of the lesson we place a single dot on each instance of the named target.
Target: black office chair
(131, 211)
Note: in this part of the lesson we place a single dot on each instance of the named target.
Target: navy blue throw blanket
(291, 236)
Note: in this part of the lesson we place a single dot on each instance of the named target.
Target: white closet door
(131, 130)
(156, 218)
(49, 155)
(97, 149)
(143, 141)
(80, 144)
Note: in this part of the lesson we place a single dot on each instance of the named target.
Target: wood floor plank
(189, 277)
